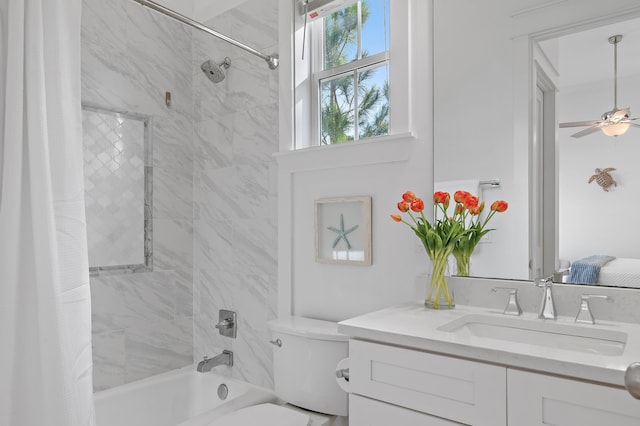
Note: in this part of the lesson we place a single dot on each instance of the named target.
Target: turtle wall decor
(603, 178)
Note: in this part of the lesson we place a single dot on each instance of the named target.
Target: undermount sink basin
(540, 333)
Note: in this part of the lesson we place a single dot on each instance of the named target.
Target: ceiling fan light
(616, 129)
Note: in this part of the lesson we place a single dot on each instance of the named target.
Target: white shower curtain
(45, 310)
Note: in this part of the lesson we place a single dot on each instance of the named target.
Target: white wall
(474, 124)
(593, 221)
(382, 169)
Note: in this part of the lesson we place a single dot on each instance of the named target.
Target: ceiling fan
(612, 123)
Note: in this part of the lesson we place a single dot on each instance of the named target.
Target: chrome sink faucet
(547, 308)
(225, 358)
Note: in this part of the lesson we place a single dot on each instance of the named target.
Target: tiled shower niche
(118, 190)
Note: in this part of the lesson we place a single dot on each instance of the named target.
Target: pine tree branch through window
(354, 82)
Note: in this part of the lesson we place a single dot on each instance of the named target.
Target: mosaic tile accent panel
(114, 170)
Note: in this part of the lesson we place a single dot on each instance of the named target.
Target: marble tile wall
(236, 133)
(131, 56)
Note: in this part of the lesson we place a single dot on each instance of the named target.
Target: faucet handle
(225, 323)
(584, 315)
(512, 308)
(544, 281)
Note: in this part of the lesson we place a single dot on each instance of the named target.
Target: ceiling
(587, 56)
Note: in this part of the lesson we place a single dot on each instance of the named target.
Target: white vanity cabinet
(397, 385)
(538, 399)
(389, 382)
(370, 412)
(475, 366)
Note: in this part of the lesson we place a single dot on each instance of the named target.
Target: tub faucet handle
(227, 324)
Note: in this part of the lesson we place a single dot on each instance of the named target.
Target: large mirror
(506, 73)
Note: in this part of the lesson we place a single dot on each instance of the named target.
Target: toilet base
(319, 419)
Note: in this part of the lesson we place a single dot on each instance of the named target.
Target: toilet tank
(304, 366)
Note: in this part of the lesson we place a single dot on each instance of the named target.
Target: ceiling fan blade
(634, 124)
(579, 124)
(586, 132)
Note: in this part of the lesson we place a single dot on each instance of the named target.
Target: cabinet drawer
(537, 400)
(368, 412)
(463, 391)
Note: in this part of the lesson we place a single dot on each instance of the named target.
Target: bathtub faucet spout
(225, 358)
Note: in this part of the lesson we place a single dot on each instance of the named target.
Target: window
(351, 73)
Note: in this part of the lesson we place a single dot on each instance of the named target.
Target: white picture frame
(343, 230)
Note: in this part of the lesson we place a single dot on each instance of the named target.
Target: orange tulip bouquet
(458, 235)
(467, 212)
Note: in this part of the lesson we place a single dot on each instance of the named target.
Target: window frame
(396, 57)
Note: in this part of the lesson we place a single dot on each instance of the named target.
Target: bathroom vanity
(476, 366)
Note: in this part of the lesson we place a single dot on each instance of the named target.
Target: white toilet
(306, 353)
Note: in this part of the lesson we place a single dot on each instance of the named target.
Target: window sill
(383, 149)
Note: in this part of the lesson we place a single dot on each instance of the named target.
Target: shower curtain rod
(272, 60)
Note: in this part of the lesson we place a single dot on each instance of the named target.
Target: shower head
(214, 71)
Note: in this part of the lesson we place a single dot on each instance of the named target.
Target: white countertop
(414, 326)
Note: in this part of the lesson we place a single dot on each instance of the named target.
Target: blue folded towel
(587, 269)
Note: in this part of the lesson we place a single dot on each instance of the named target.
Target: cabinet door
(369, 412)
(537, 400)
(460, 390)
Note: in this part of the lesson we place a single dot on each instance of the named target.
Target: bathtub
(180, 397)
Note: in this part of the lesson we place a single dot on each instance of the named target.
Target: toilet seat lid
(262, 414)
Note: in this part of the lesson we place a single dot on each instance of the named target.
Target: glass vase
(439, 297)
(463, 262)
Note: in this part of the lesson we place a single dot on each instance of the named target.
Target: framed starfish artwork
(343, 230)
